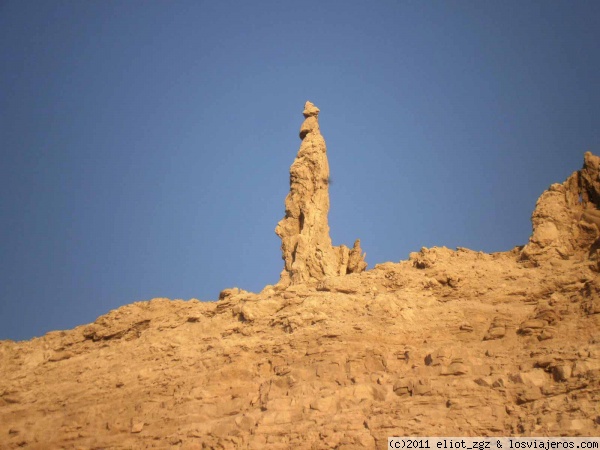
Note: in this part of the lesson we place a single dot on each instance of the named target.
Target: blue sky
(146, 145)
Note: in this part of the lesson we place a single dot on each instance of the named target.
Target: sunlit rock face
(567, 216)
(304, 231)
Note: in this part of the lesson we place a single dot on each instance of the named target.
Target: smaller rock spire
(304, 231)
(566, 219)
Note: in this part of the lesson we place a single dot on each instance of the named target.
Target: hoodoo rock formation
(304, 231)
(446, 343)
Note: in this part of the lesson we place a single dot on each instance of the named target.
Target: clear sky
(146, 145)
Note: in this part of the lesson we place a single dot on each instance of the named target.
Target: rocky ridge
(448, 342)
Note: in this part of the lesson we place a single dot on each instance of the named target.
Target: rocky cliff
(448, 342)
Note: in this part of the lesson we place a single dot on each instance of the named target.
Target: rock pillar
(304, 231)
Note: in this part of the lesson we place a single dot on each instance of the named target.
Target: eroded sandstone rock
(304, 231)
(566, 219)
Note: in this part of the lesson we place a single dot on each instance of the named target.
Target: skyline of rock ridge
(445, 343)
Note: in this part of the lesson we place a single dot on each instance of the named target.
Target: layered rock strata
(304, 231)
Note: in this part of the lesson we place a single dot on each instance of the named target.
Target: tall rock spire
(304, 231)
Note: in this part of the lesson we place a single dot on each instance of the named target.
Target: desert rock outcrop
(566, 219)
(306, 246)
(446, 343)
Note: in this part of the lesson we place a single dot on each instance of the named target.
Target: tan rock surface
(566, 218)
(445, 343)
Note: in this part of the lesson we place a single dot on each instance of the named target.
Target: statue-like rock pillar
(304, 231)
